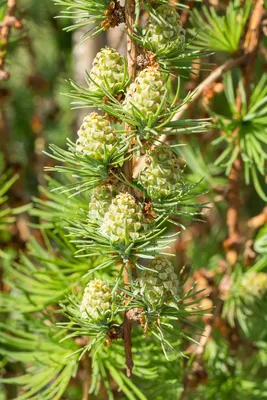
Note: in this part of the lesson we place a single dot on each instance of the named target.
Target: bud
(145, 93)
(161, 175)
(96, 137)
(101, 199)
(124, 221)
(108, 71)
(160, 281)
(164, 34)
(96, 302)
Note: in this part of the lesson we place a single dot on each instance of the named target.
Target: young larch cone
(159, 281)
(108, 71)
(96, 137)
(145, 93)
(161, 174)
(101, 199)
(96, 301)
(124, 220)
(165, 33)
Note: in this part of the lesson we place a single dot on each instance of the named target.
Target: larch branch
(129, 270)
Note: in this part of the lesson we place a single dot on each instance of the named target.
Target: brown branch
(128, 171)
(259, 220)
(131, 44)
(197, 373)
(86, 377)
(127, 328)
(251, 44)
(127, 334)
(131, 61)
(213, 77)
(8, 23)
(186, 12)
(232, 243)
(127, 323)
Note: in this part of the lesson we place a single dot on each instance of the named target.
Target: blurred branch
(259, 220)
(186, 12)
(232, 243)
(196, 372)
(131, 44)
(251, 45)
(213, 77)
(86, 377)
(9, 22)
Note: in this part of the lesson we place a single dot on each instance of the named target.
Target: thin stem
(86, 377)
(127, 323)
(131, 44)
(232, 243)
(259, 220)
(131, 61)
(129, 271)
(127, 327)
(251, 45)
(213, 77)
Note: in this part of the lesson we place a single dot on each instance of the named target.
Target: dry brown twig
(9, 22)
(259, 220)
(86, 377)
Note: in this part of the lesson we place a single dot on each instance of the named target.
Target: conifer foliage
(98, 295)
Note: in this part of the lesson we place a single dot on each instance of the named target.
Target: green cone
(145, 93)
(123, 221)
(161, 283)
(109, 70)
(164, 34)
(96, 137)
(102, 197)
(161, 174)
(96, 302)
